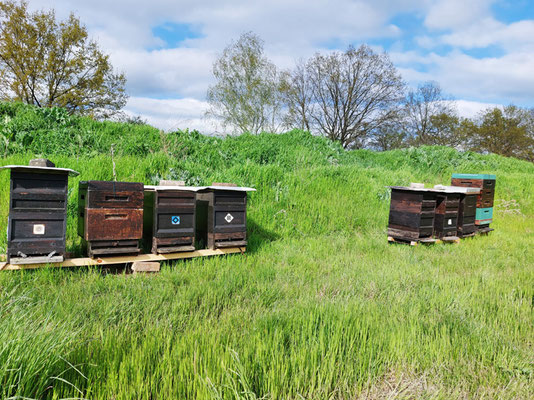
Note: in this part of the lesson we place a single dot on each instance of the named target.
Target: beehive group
(118, 218)
(460, 210)
(122, 218)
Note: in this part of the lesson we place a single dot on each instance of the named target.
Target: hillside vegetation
(320, 306)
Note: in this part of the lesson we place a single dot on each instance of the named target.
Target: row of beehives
(460, 210)
(114, 218)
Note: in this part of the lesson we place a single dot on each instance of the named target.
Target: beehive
(110, 216)
(464, 210)
(411, 214)
(222, 215)
(485, 199)
(37, 213)
(169, 218)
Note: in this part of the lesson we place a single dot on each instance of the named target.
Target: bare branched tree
(246, 95)
(297, 96)
(430, 117)
(346, 96)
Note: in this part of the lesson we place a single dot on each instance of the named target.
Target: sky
(481, 52)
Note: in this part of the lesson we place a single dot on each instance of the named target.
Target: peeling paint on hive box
(110, 216)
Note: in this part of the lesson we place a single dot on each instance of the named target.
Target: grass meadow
(320, 306)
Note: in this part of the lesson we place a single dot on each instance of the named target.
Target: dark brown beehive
(110, 216)
(446, 218)
(222, 215)
(37, 220)
(467, 210)
(169, 218)
(411, 213)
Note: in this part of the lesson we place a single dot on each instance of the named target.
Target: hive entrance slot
(116, 198)
(116, 216)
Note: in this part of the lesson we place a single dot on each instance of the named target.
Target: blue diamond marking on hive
(175, 220)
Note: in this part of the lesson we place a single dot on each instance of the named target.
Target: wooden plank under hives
(84, 262)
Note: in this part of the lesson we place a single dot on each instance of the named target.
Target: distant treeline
(357, 98)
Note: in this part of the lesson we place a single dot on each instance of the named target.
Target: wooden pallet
(412, 242)
(84, 262)
(415, 242)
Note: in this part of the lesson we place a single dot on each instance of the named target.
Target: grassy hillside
(319, 307)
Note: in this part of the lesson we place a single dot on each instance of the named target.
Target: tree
(504, 131)
(389, 135)
(430, 118)
(246, 94)
(297, 96)
(346, 96)
(49, 63)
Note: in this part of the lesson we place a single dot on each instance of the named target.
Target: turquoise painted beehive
(486, 182)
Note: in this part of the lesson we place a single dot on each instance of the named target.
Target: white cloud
(293, 29)
(471, 109)
(173, 114)
(453, 14)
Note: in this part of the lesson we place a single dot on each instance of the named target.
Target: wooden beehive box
(411, 213)
(169, 218)
(110, 216)
(222, 215)
(37, 220)
(485, 199)
(455, 210)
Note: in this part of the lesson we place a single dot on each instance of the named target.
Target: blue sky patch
(173, 34)
(513, 11)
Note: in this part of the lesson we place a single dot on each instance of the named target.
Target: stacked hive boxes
(169, 218)
(37, 221)
(110, 216)
(443, 212)
(411, 213)
(484, 206)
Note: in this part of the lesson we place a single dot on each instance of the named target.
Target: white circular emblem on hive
(38, 229)
(229, 218)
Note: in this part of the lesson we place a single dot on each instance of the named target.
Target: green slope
(319, 307)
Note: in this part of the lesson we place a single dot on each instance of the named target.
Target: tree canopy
(49, 63)
(246, 94)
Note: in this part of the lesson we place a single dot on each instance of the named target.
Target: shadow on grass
(258, 236)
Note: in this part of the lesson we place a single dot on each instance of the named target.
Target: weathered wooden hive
(467, 210)
(411, 213)
(110, 216)
(455, 211)
(222, 215)
(37, 220)
(485, 199)
(169, 218)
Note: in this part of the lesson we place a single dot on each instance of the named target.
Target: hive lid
(412, 189)
(27, 168)
(474, 176)
(456, 189)
(232, 188)
(200, 188)
(174, 187)
(438, 189)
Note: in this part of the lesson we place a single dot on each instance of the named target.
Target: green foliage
(52, 131)
(509, 132)
(50, 63)
(319, 307)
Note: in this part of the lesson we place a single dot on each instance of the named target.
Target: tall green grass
(320, 306)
